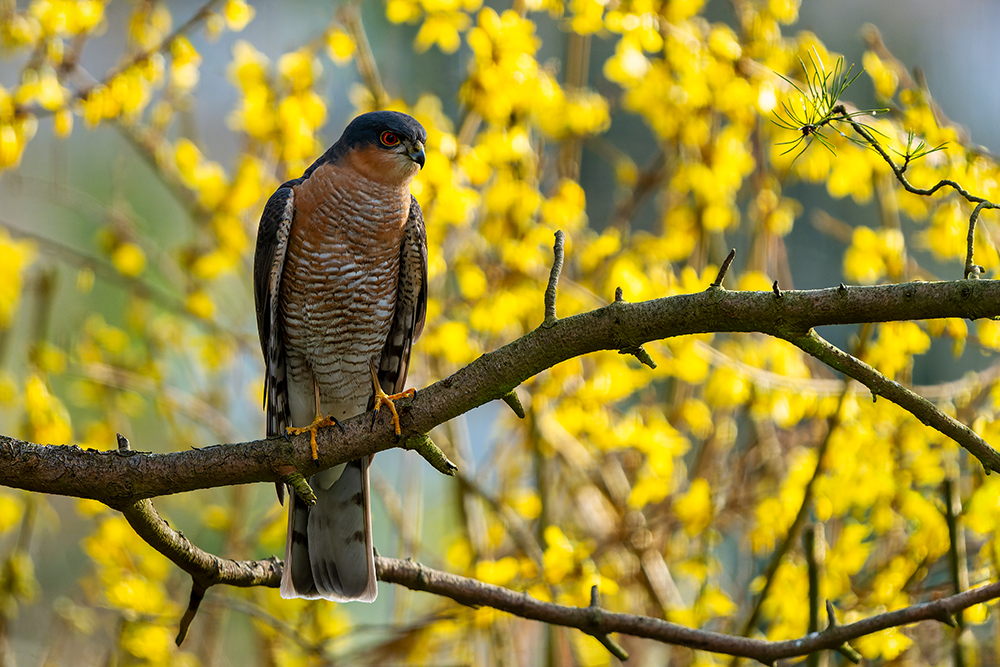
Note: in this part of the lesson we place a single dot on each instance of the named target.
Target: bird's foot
(382, 398)
(317, 424)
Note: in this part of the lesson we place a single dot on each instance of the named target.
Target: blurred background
(127, 308)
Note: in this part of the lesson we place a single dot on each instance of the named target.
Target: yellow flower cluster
(15, 257)
(874, 255)
(444, 20)
(131, 578)
(126, 94)
(285, 114)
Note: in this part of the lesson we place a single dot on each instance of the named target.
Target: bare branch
(207, 570)
(119, 479)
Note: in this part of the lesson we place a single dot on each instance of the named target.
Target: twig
(723, 269)
(899, 171)
(550, 289)
(350, 16)
(833, 422)
(956, 557)
(606, 640)
(812, 545)
(844, 649)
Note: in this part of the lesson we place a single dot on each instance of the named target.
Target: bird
(340, 288)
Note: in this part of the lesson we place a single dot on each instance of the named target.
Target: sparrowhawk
(340, 282)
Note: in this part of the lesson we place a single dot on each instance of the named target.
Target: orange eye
(389, 139)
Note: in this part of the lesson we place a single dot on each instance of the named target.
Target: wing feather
(411, 304)
(269, 263)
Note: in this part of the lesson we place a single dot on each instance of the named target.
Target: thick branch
(121, 479)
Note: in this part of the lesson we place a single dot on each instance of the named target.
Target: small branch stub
(844, 649)
(197, 595)
(606, 640)
(301, 487)
(639, 352)
(423, 445)
(776, 290)
(717, 283)
(514, 403)
(123, 445)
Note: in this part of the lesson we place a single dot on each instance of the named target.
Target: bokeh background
(132, 308)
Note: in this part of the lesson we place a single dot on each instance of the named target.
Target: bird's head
(385, 146)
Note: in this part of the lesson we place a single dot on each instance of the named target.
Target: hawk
(340, 284)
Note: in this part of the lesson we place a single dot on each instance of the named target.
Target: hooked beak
(416, 153)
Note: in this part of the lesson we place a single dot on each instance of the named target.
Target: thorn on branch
(722, 271)
(123, 445)
(776, 290)
(514, 403)
(832, 615)
(946, 618)
(550, 290)
(197, 595)
(619, 295)
(842, 289)
(301, 487)
(639, 352)
(595, 619)
(423, 445)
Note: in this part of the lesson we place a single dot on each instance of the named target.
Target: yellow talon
(382, 398)
(317, 424)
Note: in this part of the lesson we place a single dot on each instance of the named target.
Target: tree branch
(207, 570)
(119, 479)
(919, 407)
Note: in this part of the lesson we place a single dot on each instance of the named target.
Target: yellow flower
(48, 419)
(694, 508)
(722, 41)
(727, 388)
(147, 642)
(442, 29)
(10, 512)
(129, 259)
(402, 11)
(15, 257)
(340, 47)
(238, 14)
(498, 573)
(200, 304)
(299, 69)
(558, 558)
(884, 77)
(136, 593)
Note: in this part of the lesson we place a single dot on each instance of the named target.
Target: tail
(329, 552)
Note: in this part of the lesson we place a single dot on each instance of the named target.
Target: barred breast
(339, 286)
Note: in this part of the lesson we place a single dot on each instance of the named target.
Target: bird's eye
(389, 139)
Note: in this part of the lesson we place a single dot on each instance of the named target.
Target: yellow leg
(317, 424)
(381, 398)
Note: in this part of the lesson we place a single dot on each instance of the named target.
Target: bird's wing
(411, 304)
(268, 264)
